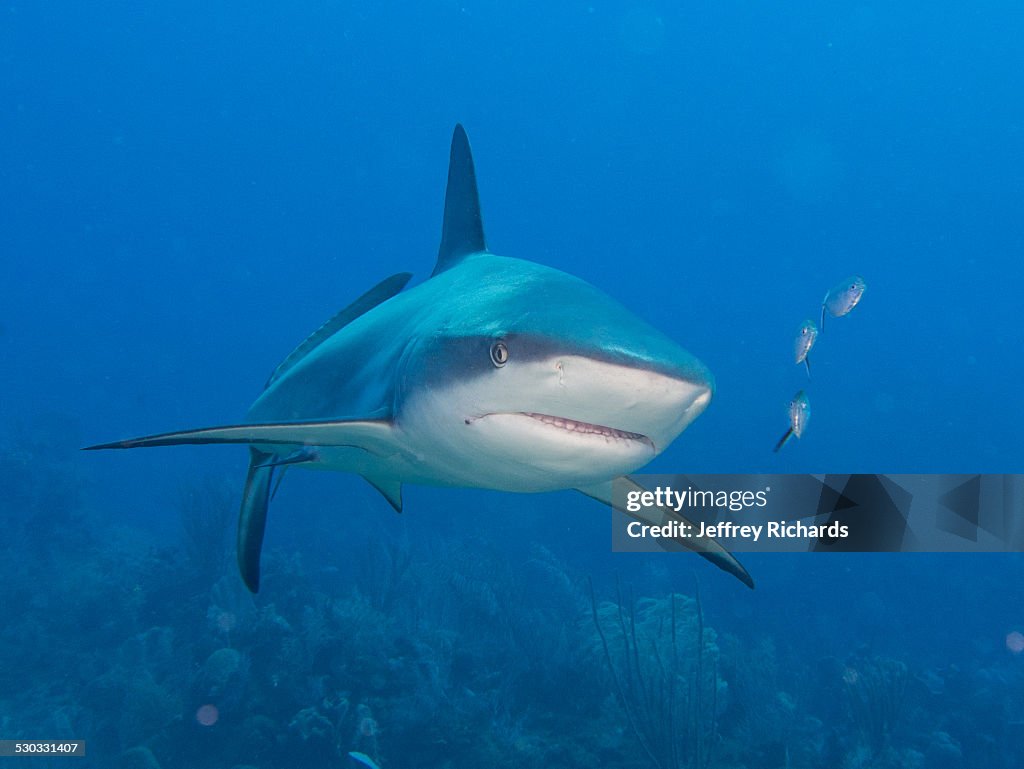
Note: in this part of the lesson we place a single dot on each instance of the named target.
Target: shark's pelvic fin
(372, 433)
(379, 294)
(704, 546)
(389, 488)
(252, 522)
(463, 230)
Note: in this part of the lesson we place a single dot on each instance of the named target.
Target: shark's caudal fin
(252, 522)
(704, 546)
(379, 294)
(463, 230)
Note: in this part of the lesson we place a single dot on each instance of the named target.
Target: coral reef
(438, 653)
(663, 662)
(875, 694)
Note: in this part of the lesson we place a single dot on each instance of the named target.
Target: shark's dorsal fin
(380, 293)
(463, 230)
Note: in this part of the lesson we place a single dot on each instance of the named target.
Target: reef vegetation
(452, 653)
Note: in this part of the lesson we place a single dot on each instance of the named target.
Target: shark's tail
(252, 522)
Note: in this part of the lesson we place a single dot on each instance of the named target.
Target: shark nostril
(561, 372)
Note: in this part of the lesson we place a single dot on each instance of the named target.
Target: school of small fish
(839, 301)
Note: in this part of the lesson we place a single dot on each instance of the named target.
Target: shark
(495, 373)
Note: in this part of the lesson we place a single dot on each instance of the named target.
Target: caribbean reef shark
(494, 373)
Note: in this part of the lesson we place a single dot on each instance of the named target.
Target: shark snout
(670, 402)
(632, 396)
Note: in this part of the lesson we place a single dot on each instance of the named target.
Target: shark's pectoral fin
(252, 522)
(371, 433)
(614, 493)
(390, 489)
(379, 294)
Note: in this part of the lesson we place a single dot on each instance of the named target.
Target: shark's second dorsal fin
(463, 230)
(383, 291)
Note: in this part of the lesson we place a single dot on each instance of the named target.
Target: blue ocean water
(187, 190)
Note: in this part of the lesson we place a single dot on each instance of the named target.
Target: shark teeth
(587, 428)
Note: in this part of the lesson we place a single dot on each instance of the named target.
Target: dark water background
(186, 190)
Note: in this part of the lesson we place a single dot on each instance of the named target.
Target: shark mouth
(587, 428)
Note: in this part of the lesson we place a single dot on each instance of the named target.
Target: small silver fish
(799, 416)
(843, 298)
(805, 339)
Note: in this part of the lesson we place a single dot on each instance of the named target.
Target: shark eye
(499, 354)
